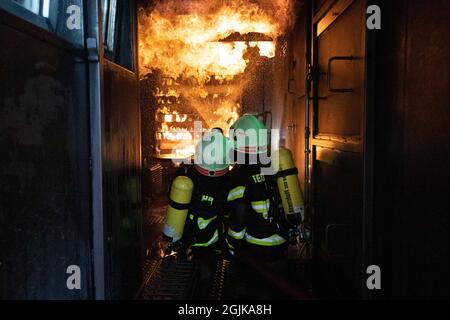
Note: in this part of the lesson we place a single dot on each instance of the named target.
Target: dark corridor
(215, 277)
(101, 100)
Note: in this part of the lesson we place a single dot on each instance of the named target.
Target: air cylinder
(288, 185)
(177, 210)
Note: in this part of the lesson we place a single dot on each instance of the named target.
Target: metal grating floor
(221, 279)
(168, 280)
(184, 280)
(207, 277)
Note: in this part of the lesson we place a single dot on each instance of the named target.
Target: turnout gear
(203, 225)
(250, 196)
(251, 206)
(208, 174)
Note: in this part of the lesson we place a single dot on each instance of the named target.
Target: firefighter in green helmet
(250, 198)
(208, 173)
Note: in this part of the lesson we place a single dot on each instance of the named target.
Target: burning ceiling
(203, 47)
(189, 38)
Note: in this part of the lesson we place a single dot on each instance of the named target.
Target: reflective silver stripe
(236, 193)
(274, 240)
(229, 244)
(213, 240)
(236, 235)
(262, 207)
(202, 223)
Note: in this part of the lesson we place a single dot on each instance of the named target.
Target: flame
(175, 117)
(266, 49)
(182, 38)
(200, 47)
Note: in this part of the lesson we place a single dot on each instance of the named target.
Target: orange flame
(195, 40)
(182, 38)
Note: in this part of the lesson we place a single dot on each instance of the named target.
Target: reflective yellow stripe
(262, 207)
(191, 216)
(274, 240)
(202, 223)
(236, 235)
(213, 240)
(236, 193)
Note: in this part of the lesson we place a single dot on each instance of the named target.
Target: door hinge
(92, 50)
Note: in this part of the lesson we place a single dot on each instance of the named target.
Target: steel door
(121, 150)
(337, 144)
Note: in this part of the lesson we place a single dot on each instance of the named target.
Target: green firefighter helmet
(249, 135)
(212, 154)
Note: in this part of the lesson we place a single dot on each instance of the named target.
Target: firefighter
(250, 197)
(196, 222)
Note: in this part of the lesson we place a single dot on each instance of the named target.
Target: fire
(183, 38)
(266, 49)
(175, 136)
(202, 46)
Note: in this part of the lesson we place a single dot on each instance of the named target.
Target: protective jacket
(203, 225)
(250, 203)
